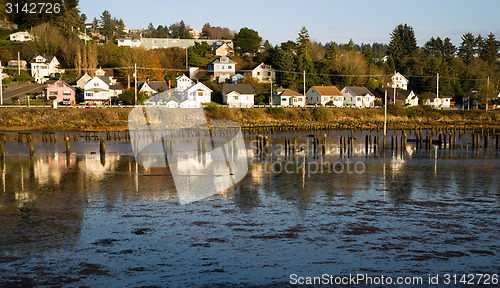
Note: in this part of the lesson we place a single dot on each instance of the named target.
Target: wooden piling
(67, 145)
(102, 147)
(32, 145)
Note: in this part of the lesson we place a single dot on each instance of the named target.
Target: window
(301, 100)
(359, 99)
(229, 67)
(258, 73)
(53, 93)
(200, 93)
(66, 92)
(268, 73)
(89, 94)
(96, 84)
(60, 84)
(283, 99)
(235, 97)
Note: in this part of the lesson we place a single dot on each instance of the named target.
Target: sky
(278, 21)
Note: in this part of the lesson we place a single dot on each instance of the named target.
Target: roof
(399, 74)
(105, 79)
(48, 82)
(359, 91)
(48, 59)
(263, 66)
(218, 60)
(431, 95)
(287, 92)
(328, 90)
(116, 87)
(240, 88)
(400, 94)
(166, 96)
(155, 85)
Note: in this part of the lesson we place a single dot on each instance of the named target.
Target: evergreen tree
(107, 25)
(303, 61)
(247, 40)
(488, 50)
(434, 47)
(468, 48)
(448, 50)
(284, 63)
(403, 44)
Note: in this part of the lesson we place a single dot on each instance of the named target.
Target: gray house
(221, 68)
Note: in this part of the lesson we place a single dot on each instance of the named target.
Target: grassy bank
(116, 118)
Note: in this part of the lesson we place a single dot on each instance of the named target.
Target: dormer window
(96, 84)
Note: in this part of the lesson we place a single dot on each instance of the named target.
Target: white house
(21, 36)
(323, 94)
(438, 101)
(221, 68)
(358, 97)
(182, 83)
(238, 95)
(399, 81)
(99, 90)
(286, 97)
(43, 67)
(264, 73)
(198, 92)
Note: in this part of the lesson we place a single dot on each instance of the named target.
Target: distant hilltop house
(44, 67)
(436, 101)
(403, 97)
(194, 33)
(21, 36)
(399, 81)
(264, 73)
(62, 91)
(238, 95)
(7, 24)
(358, 97)
(84, 37)
(288, 98)
(221, 68)
(321, 95)
(136, 40)
(16, 63)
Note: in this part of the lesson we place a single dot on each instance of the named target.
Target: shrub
(321, 113)
(276, 112)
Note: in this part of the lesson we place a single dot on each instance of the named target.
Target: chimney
(147, 80)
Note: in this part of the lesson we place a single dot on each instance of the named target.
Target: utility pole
(18, 63)
(1, 84)
(394, 95)
(271, 97)
(385, 117)
(304, 83)
(135, 83)
(487, 90)
(186, 58)
(437, 85)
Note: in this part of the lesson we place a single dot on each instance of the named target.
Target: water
(80, 222)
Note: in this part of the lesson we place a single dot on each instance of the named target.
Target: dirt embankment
(116, 118)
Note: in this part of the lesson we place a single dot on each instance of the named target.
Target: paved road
(21, 91)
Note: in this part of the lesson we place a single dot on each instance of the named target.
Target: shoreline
(115, 119)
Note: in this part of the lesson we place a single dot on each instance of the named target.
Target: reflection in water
(97, 223)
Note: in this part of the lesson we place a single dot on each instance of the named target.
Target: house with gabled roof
(198, 92)
(358, 97)
(183, 82)
(288, 98)
(80, 83)
(264, 73)
(403, 97)
(224, 50)
(44, 67)
(152, 87)
(436, 101)
(238, 95)
(221, 68)
(63, 92)
(101, 90)
(320, 95)
(399, 81)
